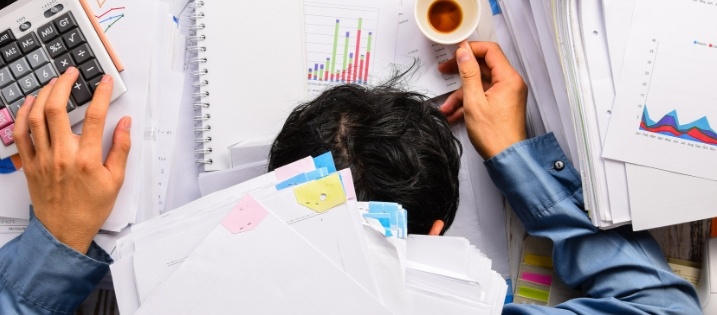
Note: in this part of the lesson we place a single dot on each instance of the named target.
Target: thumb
(468, 68)
(121, 143)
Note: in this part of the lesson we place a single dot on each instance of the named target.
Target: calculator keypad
(29, 63)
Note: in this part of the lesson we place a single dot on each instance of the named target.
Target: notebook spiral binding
(201, 106)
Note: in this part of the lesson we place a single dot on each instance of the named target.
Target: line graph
(108, 18)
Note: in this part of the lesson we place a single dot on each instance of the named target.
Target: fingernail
(28, 100)
(71, 70)
(463, 55)
(106, 78)
(127, 123)
(52, 81)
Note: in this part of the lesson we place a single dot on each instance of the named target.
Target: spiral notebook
(249, 73)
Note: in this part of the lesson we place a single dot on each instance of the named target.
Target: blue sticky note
(509, 294)
(325, 160)
(495, 7)
(384, 219)
(296, 180)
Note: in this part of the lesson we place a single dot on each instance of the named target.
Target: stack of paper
(590, 41)
(298, 236)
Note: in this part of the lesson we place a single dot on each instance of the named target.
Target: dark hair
(398, 145)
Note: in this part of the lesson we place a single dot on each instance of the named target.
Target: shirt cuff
(48, 273)
(534, 175)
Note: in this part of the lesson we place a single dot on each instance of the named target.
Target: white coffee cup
(471, 16)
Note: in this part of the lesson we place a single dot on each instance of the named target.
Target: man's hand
(492, 99)
(72, 191)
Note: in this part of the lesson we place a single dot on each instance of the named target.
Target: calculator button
(25, 26)
(11, 93)
(37, 58)
(29, 84)
(10, 52)
(70, 106)
(29, 43)
(56, 48)
(5, 119)
(54, 10)
(90, 69)
(6, 135)
(65, 22)
(94, 83)
(15, 107)
(64, 62)
(45, 74)
(47, 32)
(81, 92)
(20, 68)
(73, 38)
(82, 54)
(5, 77)
(6, 37)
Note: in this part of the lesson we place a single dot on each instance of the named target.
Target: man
(620, 271)
(398, 145)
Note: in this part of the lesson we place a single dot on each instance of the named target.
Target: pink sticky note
(348, 180)
(245, 216)
(304, 165)
(5, 119)
(6, 135)
(537, 278)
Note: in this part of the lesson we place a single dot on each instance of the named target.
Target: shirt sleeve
(620, 271)
(40, 275)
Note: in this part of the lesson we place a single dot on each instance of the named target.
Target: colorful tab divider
(546, 280)
(533, 293)
(537, 260)
(325, 160)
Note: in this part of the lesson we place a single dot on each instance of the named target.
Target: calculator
(39, 40)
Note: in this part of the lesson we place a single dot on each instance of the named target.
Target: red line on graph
(108, 11)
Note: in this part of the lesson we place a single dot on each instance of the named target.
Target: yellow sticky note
(322, 194)
(537, 260)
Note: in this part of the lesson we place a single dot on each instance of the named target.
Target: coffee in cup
(447, 21)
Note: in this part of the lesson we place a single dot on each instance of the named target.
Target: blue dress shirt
(40, 275)
(620, 271)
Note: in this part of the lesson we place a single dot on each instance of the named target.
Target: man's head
(397, 144)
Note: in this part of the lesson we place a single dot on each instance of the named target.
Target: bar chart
(340, 43)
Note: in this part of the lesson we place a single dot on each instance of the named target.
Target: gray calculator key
(47, 32)
(10, 52)
(81, 93)
(29, 43)
(56, 47)
(6, 37)
(11, 93)
(82, 54)
(45, 74)
(37, 58)
(20, 68)
(94, 83)
(73, 38)
(63, 62)
(90, 69)
(15, 107)
(29, 83)
(5, 77)
(65, 22)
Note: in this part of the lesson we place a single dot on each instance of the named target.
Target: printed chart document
(665, 98)
(349, 42)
